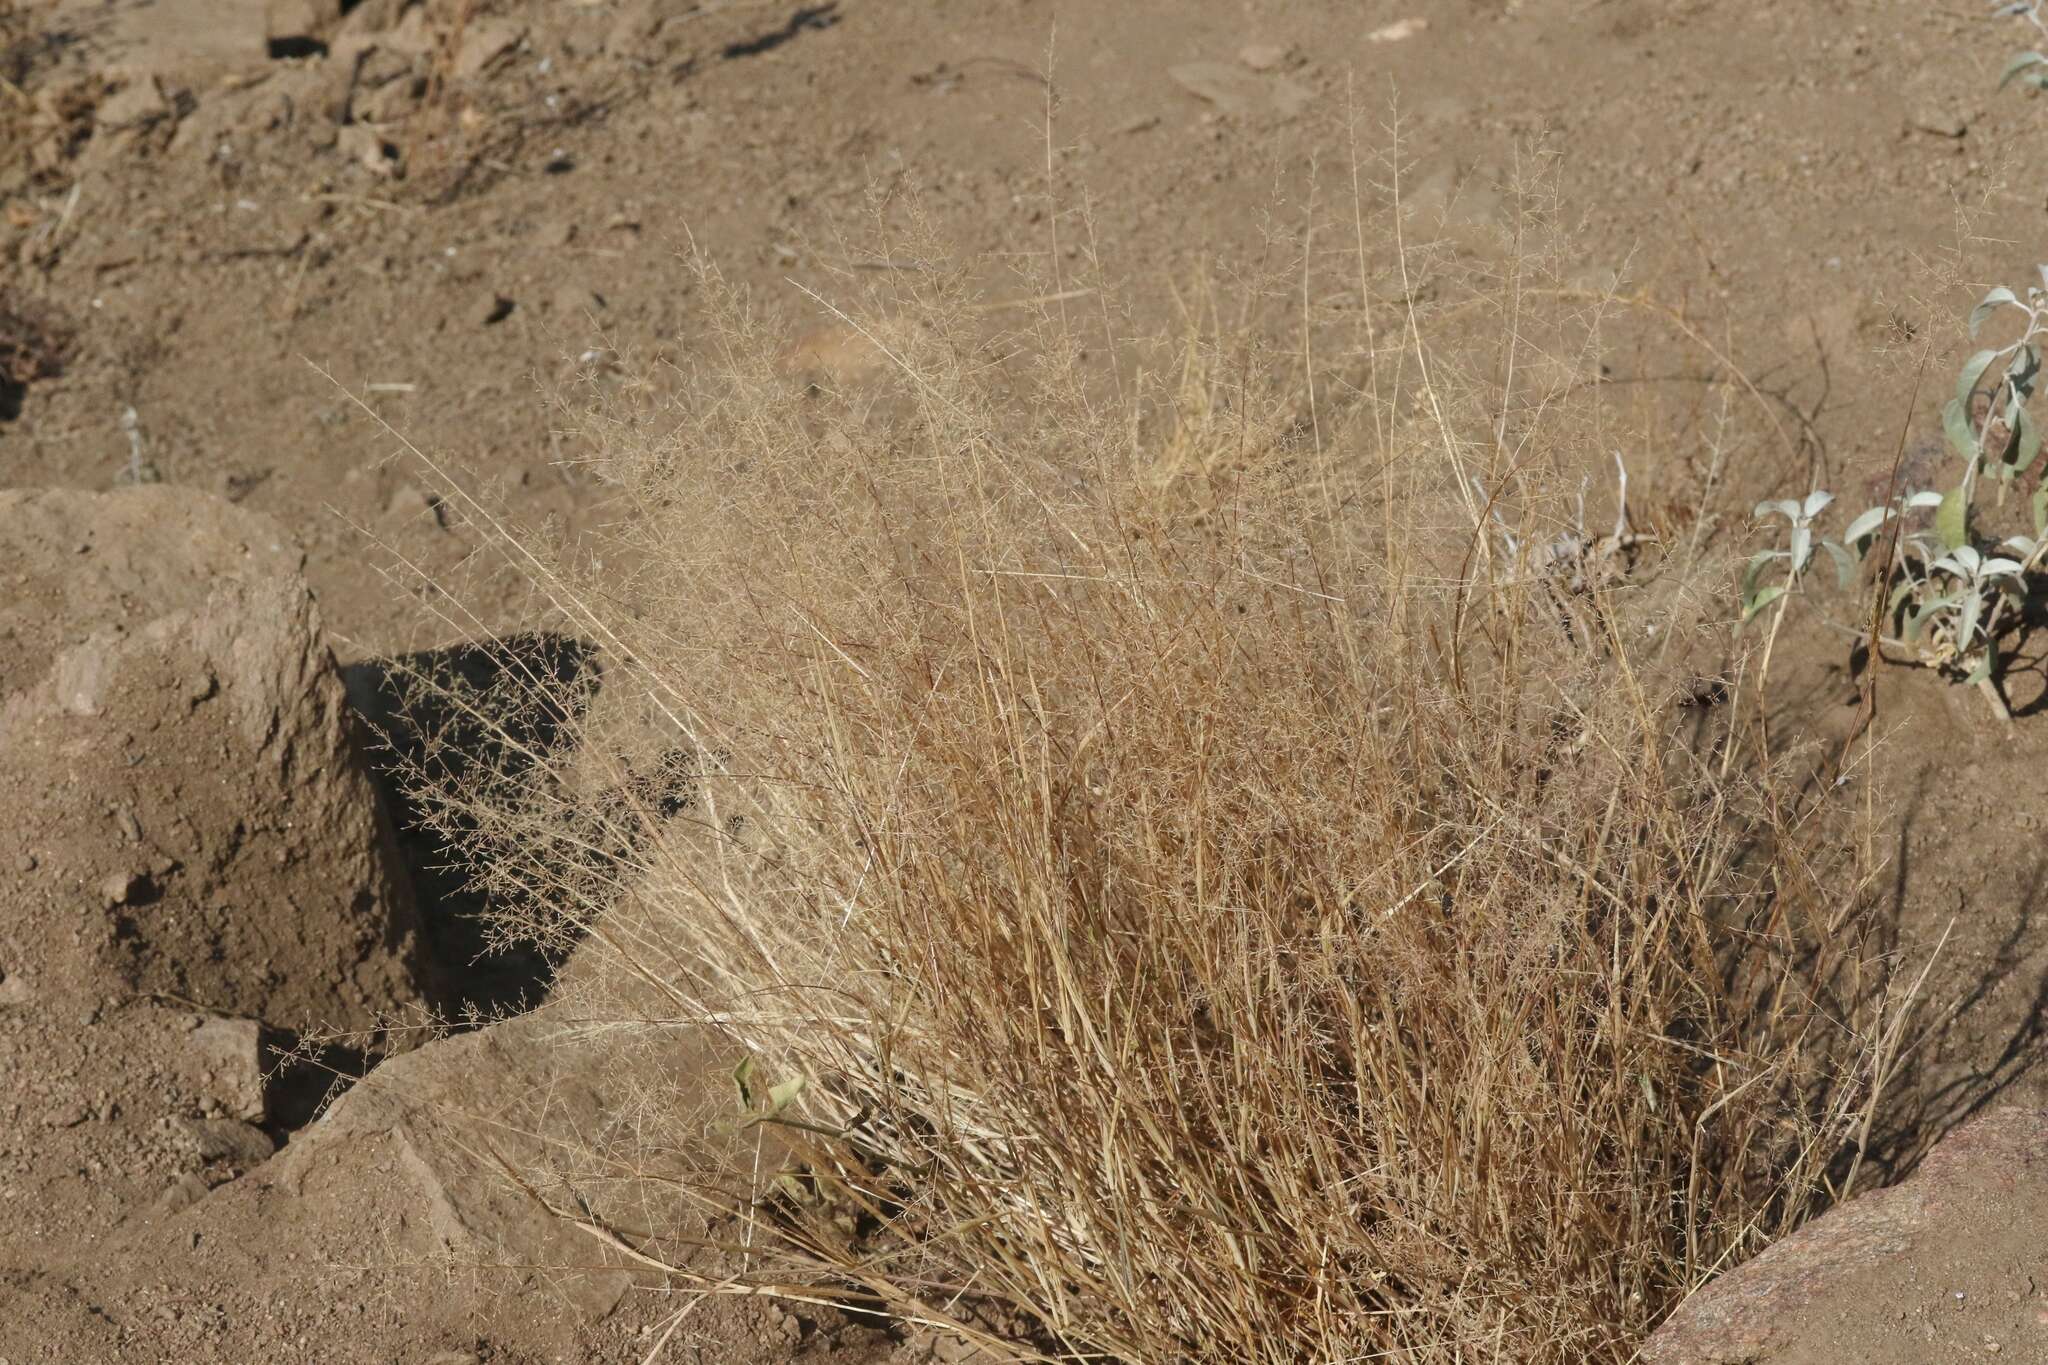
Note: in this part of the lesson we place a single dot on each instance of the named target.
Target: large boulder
(1952, 1264)
(505, 1195)
(431, 1215)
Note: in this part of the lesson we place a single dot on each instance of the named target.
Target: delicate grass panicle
(1185, 891)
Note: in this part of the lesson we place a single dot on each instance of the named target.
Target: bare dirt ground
(238, 237)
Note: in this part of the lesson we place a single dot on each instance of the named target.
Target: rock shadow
(439, 721)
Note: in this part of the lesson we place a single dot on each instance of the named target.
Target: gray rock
(181, 1194)
(228, 1142)
(229, 1053)
(420, 1140)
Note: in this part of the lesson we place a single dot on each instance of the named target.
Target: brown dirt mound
(200, 856)
(196, 819)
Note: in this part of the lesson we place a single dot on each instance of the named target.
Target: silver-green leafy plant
(1948, 588)
(1796, 555)
(2030, 67)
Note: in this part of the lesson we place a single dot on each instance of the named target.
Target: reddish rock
(1953, 1262)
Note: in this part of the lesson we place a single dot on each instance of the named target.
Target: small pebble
(70, 1116)
(1940, 123)
(117, 888)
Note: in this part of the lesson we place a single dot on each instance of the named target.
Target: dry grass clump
(1185, 890)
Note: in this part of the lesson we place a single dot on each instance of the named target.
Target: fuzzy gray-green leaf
(1955, 424)
(1972, 374)
(1866, 525)
(1845, 563)
(1992, 301)
(2023, 370)
(2018, 64)
(2026, 443)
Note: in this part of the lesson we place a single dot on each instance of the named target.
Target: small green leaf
(1952, 520)
(1972, 374)
(1925, 612)
(743, 1076)
(1762, 599)
(781, 1095)
(2026, 445)
(2023, 370)
(2041, 511)
(1758, 562)
(1955, 424)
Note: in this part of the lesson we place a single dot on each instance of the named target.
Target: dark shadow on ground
(1924, 1101)
(805, 19)
(425, 742)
